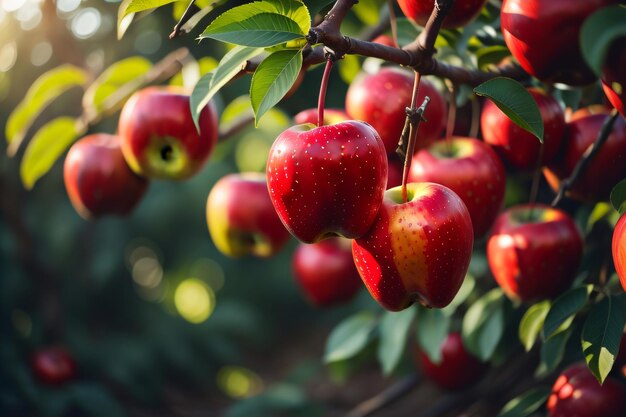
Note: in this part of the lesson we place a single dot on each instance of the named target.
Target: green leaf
(112, 79)
(230, 65)
(552, 351)
(273, 79)
(602, 334)
(564, 308)
(618, 197)
(491, 55)
(315, 6)
(469, 283)
(407, 31)
(525, 404)
(483, 324)
(600, 212)
(123, 19)
(394, 329)
(261, 24)
(598, 33)
(135, 6)
(368, 11)
(349, 67)
(46, 147)
(515, 101)
(44, 90)
(532, 323)
(349, 337)
(432, 329)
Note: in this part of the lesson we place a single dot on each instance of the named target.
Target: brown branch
(425, 42)
(389, 395)
(584, 161)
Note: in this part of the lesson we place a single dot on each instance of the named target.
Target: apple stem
(330, 59)
(589, 154)
(451, 115)
(393, 23)
(413, 118)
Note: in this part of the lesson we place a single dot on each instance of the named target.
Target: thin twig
(587, 157)
(389, 395)
(191, 10)
(393, 23)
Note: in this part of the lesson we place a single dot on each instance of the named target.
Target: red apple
(534, 251)
(417, 250)
(604, 171)
(159, 138)
(462, 12)
(98, 180)
(325, 271)
(518, 147)
(614, 76)
(381, 99)
(53, 366)
(543, 35)
(457, 369)
(576, 392)
(241, 217)
(331, 116)
(469, 168)
(329, 180)
(619, 249)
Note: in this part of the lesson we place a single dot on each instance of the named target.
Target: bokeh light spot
(12, 5)
(41, 53)
(8, 55)
(238, 382)
(67, 6)
(194, 300)
(86, 23)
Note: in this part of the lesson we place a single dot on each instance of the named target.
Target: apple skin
(473, 171)
(241, 217)
(543, 35)
(619, 249)
(517, 146)
(534, 258)
(613, 75)
(381, 99)
(327, 181)
(462, 12)
(576, 392)
(325, 271)
(98, 180)
(416, 251)
(458, 368)
(604, 171)
(53, 366)
(159, 138)
(331, 116)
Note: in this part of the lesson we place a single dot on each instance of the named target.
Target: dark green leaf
(431, 330)
(532, 323)
(315, 6)
(46, 147)
(602, 334)
(230, 65)
(407, 31)
(515, 101)
(598, 33)
(564, 307)
(349, 337)
(618, 197)
(41, 93)
(483, 324)
(273, 79)
(491, 55)
(552, 351)
(394, 329)
(525, 404)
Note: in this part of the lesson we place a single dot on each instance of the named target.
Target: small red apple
(469, 168)
(325, 271)
(614, 76)
(159, 138)
(619, 250)
(417, 250)
(457, 369)
(331, 116)
(329, 180)
(381, 99)
(543, 35)
(576, 392)
(462, 12)
(241, 217)
(520, 148)
(53, 366)
(534, 251)
(98, 180)
(604, 171)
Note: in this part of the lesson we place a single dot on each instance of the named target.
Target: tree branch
(389, 395)
(587, 157)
